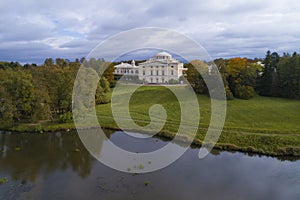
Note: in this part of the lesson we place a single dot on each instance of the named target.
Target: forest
(31, 92)
(273, 76)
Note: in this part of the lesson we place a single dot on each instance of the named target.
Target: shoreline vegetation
(278, 152)
(266, 126)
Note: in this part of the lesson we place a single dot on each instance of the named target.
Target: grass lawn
(262, 124)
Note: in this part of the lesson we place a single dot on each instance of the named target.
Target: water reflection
(57, 166)
(24, 156)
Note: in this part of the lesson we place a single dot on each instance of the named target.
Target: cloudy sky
(32, 30)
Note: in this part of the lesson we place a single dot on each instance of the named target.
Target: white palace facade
(162, 68)
(126, 69)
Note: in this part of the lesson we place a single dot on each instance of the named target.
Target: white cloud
(71, 28)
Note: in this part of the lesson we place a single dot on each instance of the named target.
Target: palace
(162, 68)
(126, 69)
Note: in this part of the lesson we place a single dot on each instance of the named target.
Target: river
(57, 166)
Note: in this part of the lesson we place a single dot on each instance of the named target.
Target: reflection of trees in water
(43, 154)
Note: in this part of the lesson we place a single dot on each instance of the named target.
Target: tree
(268, 82)
(195, 78)
(42, 109)
(7, 109)
(241, 77)
(61, 62)
(48, 62)
(33, 93)
(289, 73)
(222, 66)
(18, 91)
(109, 73)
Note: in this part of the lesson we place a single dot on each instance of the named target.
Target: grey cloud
(24, 28)
(32, 30)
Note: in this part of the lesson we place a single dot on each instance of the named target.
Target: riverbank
(265, 148)
(262, 125)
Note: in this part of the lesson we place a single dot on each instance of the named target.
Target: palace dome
(163, 56)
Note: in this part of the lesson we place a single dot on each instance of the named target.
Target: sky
(32, 30)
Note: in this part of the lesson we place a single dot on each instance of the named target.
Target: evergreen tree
(289, 72)
(268, 82)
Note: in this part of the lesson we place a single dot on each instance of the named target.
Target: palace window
(163, 72)
(151, 72)
(156, 72)
(144, 72)
(172, 72)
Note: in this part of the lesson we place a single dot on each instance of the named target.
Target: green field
(261, 125)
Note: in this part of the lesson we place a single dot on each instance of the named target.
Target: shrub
(66, 117)
(172, 81)
(244, 92)
(102, 98)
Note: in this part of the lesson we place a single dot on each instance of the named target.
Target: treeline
(32, 93)
(280, 76)
(274, 76)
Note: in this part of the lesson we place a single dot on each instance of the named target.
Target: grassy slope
(261, 124)
(275, 115)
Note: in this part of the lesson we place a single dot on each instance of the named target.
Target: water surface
(57, 166)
